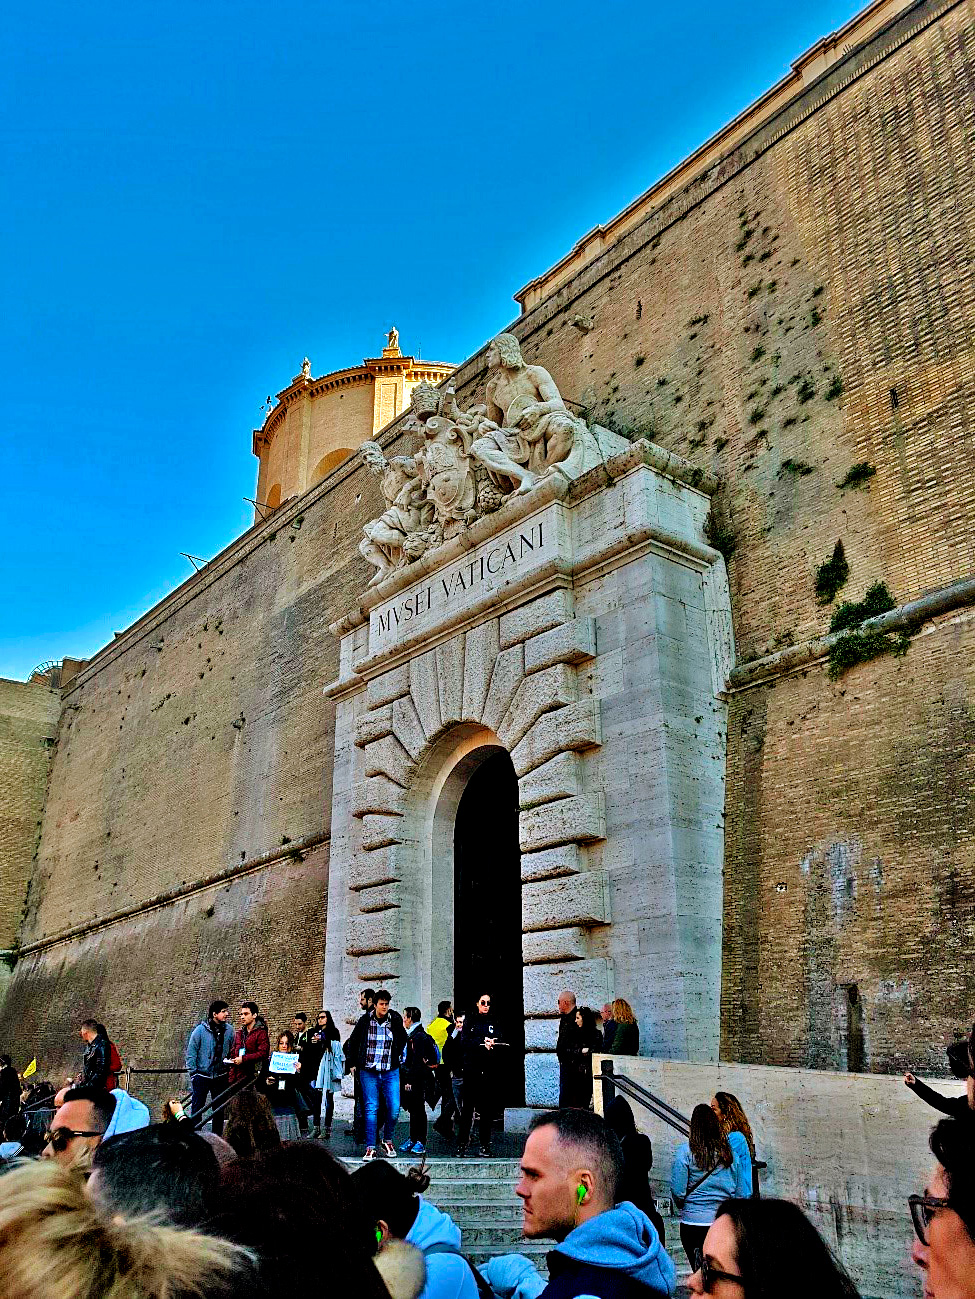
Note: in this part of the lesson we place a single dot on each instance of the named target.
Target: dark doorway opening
(487, 908)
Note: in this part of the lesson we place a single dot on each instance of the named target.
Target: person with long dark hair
(755, 1249)
(481, 1043)
(281, 1090)
(634, 1184)
(331, 1066)
(394, 1206)
(704, 1174)
(578, 1071)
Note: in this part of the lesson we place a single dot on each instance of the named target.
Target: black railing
(613, 1082)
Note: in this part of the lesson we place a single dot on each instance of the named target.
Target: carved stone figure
(306, 368)
(468, 462)
(408, 512)
(392, 338)
(444, 458)
(532, 429)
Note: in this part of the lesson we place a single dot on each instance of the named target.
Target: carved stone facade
(584, 628)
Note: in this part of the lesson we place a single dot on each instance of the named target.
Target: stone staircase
(479, 1194)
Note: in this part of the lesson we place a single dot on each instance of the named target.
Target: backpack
(483, 1289)
(114, 1065)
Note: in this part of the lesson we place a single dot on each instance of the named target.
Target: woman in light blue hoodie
(706, 1171)
(396, 1205)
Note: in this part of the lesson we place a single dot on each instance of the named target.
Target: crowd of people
(240, 1205)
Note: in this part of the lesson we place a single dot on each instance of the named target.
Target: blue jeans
(374, 1082)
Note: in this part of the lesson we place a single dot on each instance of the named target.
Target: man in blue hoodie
(570, 1171)
(210, 1044)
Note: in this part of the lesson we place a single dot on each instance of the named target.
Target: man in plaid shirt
(376, 1050)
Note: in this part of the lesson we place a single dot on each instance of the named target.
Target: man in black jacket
(419, 1065)
(961, 1061)
(367, 999)
(375, 1050)
(567, 1039)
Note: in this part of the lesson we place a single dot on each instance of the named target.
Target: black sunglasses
(923, 1208)
(59, 1138)
(711, 1274)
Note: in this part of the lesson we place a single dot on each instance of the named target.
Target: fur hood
(402, 1269)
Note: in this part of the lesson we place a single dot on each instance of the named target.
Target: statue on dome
(306, 368)
(392, 338)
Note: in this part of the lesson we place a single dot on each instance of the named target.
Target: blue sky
(196, 196)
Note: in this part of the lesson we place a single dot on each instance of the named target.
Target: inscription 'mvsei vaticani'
(440, 592)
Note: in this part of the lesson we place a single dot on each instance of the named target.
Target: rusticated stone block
(541, 1034)
(540, 693)
(480, 651)
(450, 678)
(574, 900)
(554, 945)
(589, 980)
(509, 668)
(407, 726)
(378, 968)
(570, 820)
(541, 1078)
(373, 725)
(379, 866)
(537, 617)
(379, 897)
(379, 931)
(560, 777)
(376, 794)
(391, 685)
(388, 758)
(425, 691)
(381, 831)
(576, 726)
(572, 642)
(552, 862)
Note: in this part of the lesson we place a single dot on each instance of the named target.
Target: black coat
(479, 1062)
(453, 1054)
(421, 1053)
(569, 1036)
(95, 1067)
(356, 1046)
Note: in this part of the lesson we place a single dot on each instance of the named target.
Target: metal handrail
(611, 1080)
(217, 1104)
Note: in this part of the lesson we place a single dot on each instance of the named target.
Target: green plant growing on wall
(831, 575)
(835, 388)
(757, 353)
(757, 415)
(798, 468)
(719, 533)
(862, 646)
(638, 361)
(878, 599)
(858, 475)
(805, 392)
(755, 290)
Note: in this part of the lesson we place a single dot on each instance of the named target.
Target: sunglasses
(711, 1274)
(923, 1208)
(60, 1138)
(485, 1001)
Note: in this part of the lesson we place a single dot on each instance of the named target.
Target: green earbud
(580, 1193)
(379, 1236)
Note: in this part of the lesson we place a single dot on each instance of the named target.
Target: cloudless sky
(195, 196)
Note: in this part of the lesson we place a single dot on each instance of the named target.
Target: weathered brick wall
(258, 937)
(28, 724)
(805, 305)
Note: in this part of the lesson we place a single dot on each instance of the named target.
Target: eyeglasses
(711, 1274)
(923, 1208)
(60, 1138)
(484, 1001)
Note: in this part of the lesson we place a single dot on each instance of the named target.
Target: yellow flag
(31, 1068)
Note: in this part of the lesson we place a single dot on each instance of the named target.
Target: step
(453, 1170)
(487, 1189)
(479, 1211)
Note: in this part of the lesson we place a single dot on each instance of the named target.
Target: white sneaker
(370, 1153)
(390, 1149)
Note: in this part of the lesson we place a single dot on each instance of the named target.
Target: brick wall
(28, 725)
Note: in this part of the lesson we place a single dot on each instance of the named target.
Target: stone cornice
(909, 617)
(817, 76)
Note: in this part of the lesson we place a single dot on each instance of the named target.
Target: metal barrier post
(608, 1083)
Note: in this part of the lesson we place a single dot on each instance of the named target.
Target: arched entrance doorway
(487, 905)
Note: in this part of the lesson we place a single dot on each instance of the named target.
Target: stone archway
(590, 639)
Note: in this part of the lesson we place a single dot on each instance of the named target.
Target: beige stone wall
(340, 418)
(28, 727)
(848, 1149)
